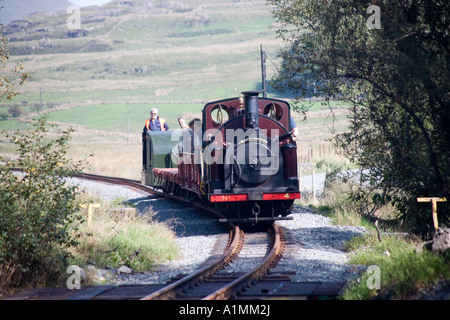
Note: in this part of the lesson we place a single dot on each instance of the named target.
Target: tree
(392, 62)
(38, 210)
(11, 76)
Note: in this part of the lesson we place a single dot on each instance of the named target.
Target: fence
(318, 151)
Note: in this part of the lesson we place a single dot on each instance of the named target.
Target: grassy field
(175, 56)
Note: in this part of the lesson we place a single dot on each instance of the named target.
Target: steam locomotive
(239, 159)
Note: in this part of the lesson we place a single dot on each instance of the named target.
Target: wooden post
(434, 201)
(90, 206)
(313, 182)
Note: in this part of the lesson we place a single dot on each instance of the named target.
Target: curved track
(269, 261)
(172, 290)
(226, 289)
(217, 278)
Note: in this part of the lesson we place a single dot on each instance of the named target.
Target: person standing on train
(182, 123)
(155, 123)
(293, 126)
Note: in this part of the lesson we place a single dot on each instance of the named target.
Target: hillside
(139, 52)
(131, 55)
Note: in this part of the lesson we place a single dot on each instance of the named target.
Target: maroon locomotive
(240, 159)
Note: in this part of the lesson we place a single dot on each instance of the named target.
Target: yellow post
(434, 201)
(90, 206)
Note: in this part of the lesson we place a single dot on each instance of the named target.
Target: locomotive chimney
(251, 109)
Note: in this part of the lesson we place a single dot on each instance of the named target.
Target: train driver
(155, 123)
(293, 126)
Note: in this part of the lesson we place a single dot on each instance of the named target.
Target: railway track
(206, 283)
(210, 283)
(216, 279)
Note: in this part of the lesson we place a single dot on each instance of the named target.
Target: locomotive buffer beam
(244, 220)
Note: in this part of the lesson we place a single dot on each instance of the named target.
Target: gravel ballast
(319, 256)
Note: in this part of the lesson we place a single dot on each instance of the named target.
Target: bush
(37, 209)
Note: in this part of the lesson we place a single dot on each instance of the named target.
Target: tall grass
(403, 270)
(335, 201)
(114, 240)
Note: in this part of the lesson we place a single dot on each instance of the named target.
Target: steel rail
(120, 181)
(268, 262)
(234, 244)
(171, 290)
(232, 250)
